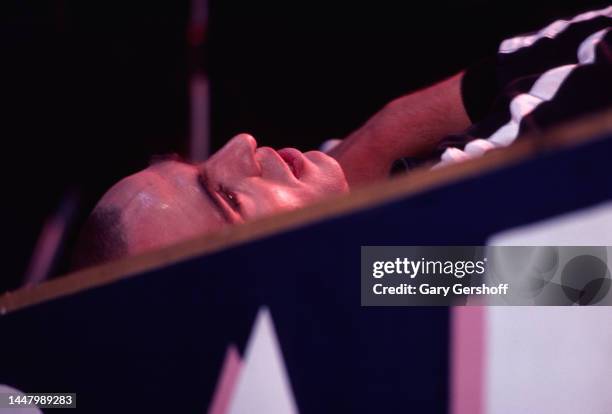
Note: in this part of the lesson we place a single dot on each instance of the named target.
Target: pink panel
(467, 359)
(227, 381)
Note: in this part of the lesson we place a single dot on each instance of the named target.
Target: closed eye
(230, 197)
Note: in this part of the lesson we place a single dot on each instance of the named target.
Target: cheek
(325, 176)
(327, 180)
(333, 182)
(274, 199)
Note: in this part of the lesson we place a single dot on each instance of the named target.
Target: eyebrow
(203, 181)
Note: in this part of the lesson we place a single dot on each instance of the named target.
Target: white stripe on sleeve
(551, 31)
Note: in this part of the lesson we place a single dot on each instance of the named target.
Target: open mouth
(294, 159)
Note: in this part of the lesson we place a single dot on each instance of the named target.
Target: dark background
(90, 90)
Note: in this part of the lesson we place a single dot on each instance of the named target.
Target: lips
(294, 159)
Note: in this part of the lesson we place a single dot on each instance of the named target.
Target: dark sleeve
(479, 88)
(526, 55)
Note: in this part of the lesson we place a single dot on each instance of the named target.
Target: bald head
(158, 206)
(101, 239)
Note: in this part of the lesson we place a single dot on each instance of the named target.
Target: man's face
(171, 201)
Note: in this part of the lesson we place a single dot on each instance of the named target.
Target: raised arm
(412, 125)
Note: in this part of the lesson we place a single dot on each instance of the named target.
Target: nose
(241, 143)
(246, 140)
(237, 156)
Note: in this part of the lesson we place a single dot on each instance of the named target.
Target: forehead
(176, 186)
(164, 204)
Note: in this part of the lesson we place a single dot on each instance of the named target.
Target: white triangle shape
(5, 389)
(263, 385)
